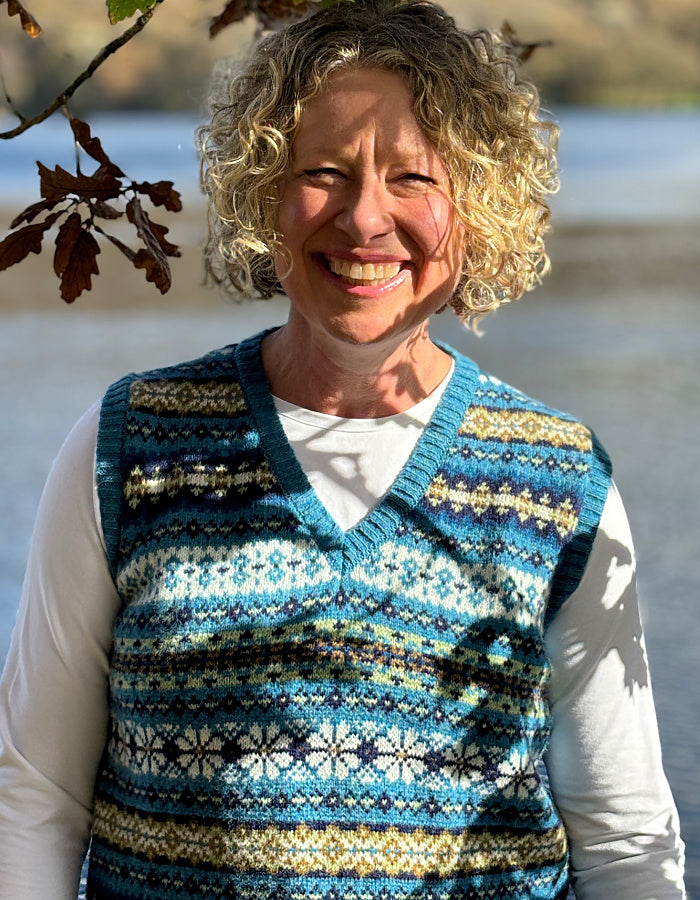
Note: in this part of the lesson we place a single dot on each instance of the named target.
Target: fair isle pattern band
(196, 478)
(525, 426)
(335, 850)
(184, 398)
(301, 713)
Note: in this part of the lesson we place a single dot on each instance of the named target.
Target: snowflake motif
(266, 751)
(401, 756)
(443, 583)
(464, 764)
(239, 569)
(516, 776)
(200, 752)
(275, 566)
(408, 575)
(171, 576)
(334, 750)
(207, 574)
(311, 566)
(143, 747)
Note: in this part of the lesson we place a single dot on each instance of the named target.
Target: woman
(347, 591)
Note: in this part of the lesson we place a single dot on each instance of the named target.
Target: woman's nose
(366, 211)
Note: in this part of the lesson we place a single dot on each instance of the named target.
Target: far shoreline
(584, 256)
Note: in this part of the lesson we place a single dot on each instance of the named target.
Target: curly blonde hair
(469, 100)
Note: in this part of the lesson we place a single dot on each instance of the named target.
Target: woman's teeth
(365, 274)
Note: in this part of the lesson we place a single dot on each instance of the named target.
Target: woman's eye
(417, 177)
(323, 173)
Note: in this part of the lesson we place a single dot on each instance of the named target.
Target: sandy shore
(584, 257)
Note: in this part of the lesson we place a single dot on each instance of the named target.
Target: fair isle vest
(302, 713)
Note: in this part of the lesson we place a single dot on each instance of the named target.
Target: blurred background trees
(156, 55)
(617, 52)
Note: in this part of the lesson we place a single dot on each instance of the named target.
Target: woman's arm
(604, 758)
(53, 693)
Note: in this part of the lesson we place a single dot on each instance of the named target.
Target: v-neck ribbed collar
(404, 493)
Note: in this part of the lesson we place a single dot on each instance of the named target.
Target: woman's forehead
(358, 107)
(353, 92)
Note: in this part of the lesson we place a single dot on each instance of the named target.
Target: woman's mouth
(365, 274)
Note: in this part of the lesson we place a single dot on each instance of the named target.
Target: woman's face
(365, 214)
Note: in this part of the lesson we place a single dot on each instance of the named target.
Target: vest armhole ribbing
(110, 441)
(572, 565)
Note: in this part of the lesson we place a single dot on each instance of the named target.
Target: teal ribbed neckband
(405, 492)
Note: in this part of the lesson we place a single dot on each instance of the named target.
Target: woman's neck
(351, 380)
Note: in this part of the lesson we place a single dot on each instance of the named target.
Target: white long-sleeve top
(604, 757)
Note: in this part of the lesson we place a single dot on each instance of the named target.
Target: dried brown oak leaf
(105, 210)
(56, 184)
(75, 259)
(91, 145)
(84, 200)
(520, 50)
(267, 12)
(160, 193)
(29, 23)
(19, 244)
(31, 212)
(153, 257)
(234, 11)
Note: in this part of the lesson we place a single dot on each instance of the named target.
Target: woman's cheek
(436, 223)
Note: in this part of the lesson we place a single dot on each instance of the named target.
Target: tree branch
(104, 54)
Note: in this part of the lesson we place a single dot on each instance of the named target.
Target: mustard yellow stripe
(330, 850)
(525, 426)
(483, 498)
(197, 478)
(184, 397)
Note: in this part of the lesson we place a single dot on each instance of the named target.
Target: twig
(104, 54)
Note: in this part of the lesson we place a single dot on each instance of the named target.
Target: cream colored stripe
(207, 572)
(529, 427)
(483, 498)
(197, 478)
(183, 397)
(330, 850)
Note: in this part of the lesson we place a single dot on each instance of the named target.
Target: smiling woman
(365, 193)
(341, 619)
(468, 100)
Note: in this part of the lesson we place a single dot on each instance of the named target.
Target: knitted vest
(302, 713)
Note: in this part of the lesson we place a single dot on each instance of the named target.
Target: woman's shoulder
(512, 414)
(205, 366)
(177, 388)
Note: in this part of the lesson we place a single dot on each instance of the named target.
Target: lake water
(616, 165)
(624, 360)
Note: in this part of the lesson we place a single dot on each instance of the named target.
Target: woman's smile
(357, 276)
(364, 273)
